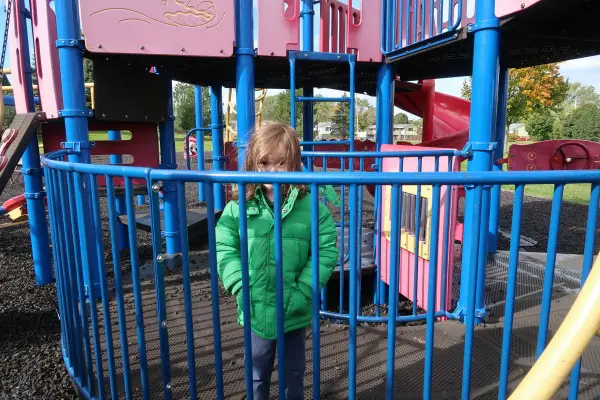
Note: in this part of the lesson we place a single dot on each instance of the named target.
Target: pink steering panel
(176, 27)
(46, 53)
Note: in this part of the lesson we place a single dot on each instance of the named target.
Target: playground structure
(412, 229)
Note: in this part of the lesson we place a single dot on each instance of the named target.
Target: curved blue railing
(70, 186)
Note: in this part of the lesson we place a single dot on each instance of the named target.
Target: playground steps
(15, 139)
(371, 341)
(197, 223)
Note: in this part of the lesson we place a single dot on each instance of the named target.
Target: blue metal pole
(306, 44)
(244, 71)
(485, 78)
(122, 238)
(199, 136)
(32, 176)
(168, 160)
(498, 154)
(216, 112)
(75, 115)
(385, 118)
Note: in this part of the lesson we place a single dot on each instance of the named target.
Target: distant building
(402, 132)
(323, 130)
(518, 130)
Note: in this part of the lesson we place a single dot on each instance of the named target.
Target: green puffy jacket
(297, 262)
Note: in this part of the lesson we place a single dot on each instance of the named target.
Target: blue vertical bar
(360, 235)
(78, 237)
(393, 307)
(110, 352)
(198, 108)
(168, 159)
(112, 219)
(244, 70)
(187, 292)
(307, 44)
(448, 239)
(214, 290)
(245, 290)
(86, 255)
(475, 223)
(293, 92)
(316, 322)
(120, 200)
(500, 133)
(32, 173)
(485, 77)
(588, 258)
(342, 240)
(385, 118)
(137, 290)
(216, 116)
(511, 285)
(159, 279)
(480, 311)
(431, 291)
(353, 246)
(417, 237)
(279, 291)
(549, 272)
(352, 100)
(76, 128)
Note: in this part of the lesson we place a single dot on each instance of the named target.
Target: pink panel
(165, 27)
(365, 32)
(406, 267)
(278, 27)
(506, 7)
(359, 33)
(46, 54)
(16, 62)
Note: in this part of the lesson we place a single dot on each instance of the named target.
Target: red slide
(445, 117)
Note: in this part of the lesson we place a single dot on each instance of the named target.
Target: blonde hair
(267, 140)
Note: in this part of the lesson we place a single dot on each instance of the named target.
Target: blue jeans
(263, 359)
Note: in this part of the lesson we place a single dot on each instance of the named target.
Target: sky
(584, 70)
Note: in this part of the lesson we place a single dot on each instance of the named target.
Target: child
(275, 148)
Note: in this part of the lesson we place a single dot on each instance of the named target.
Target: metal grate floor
(371, 343)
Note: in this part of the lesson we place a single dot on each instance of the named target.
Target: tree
(277, 109)
(341, 119)
(584, 123)
(530, 90)
(401, 118)
(579, 94)
(540, 126)
(365, 115)
(323, 112)
(184, 105)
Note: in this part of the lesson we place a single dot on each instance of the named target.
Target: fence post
(216, 115)
(198, 106)
(480, 146)
(306, 44)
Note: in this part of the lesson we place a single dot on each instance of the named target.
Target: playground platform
(371, 340)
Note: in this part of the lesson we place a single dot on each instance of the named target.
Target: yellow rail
(568, 344)
(230, 133)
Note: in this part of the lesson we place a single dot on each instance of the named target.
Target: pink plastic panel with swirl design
(204, 28)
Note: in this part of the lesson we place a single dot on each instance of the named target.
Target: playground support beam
(198, 107)
(32, 176)
(486, 59)
(168, 160)
(216, 113)
(120, 205)
(244, 74)
(500, 133)
(76, 125)
(307, 16)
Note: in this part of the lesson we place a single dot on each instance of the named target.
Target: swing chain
(5, 43)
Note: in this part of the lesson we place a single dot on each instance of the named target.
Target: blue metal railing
(413, 25)
(81, 341)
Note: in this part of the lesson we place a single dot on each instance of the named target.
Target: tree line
(549, 105)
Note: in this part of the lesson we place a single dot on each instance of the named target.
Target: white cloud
(581, 63)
